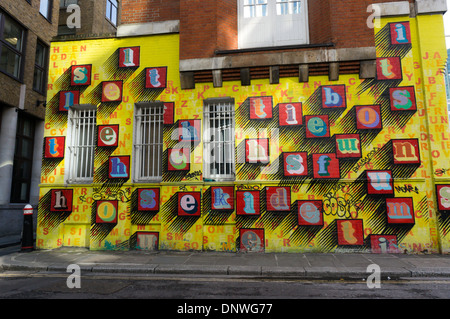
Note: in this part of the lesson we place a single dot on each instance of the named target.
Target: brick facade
(334, 146)
(210, 26)
(20, 103)
(37, 27)
(93, 18)
(140, 11)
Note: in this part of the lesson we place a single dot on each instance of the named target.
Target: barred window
(219, 146)
(148, 145)
(81, 143)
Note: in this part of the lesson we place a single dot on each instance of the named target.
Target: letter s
(80, 75)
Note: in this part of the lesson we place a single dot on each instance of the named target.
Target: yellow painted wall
(351, 216)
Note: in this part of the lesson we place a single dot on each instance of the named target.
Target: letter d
(225, 308)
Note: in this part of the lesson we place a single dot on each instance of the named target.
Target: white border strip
(393, 8)
(151, 28)
(431, 6)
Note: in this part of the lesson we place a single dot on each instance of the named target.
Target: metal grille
(219, 149)
(81, 144)
(149, 142)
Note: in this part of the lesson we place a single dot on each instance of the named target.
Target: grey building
(27, 28)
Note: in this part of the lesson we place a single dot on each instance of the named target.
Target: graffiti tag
(121, 195)
(407, 189)
(366, 160)
(341, 205)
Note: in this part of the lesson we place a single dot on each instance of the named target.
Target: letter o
(368, 117)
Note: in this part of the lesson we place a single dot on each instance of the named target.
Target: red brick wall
(207, 26)
(37, 28)
(210, 25)
(140, 11)
(227, 25)
(348, 19)
(198, 28)
(319, 21)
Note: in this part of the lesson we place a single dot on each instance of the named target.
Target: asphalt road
(178, 296)
(28, 285)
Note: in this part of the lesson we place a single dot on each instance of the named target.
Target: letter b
(331, 99)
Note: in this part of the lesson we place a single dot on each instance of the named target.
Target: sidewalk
(272, 265)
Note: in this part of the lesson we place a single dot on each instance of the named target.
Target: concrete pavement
(260, 265)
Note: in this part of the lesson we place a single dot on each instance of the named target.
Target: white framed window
(81, 132)
(219, 139)
(45, 8)
(148, 141)
(266, 23)
(65, 3)
(255, 8)
(111, 11)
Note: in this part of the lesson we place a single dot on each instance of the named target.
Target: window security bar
(81, 145)
(219, 145)
(149, 142)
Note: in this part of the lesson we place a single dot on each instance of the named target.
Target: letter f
(324, 162)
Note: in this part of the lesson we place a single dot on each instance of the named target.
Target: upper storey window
(11, 46)
(111, 11)
(45, 8)
(265, 23)
(255, 8)
(288, 7)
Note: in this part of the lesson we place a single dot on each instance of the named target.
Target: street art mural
(353, 165)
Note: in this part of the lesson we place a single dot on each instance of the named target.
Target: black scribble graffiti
(407, 189)
(346, 205)
(365, 160)
(247, 187)
(442, 171)
(194, 176)
(123, 196)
